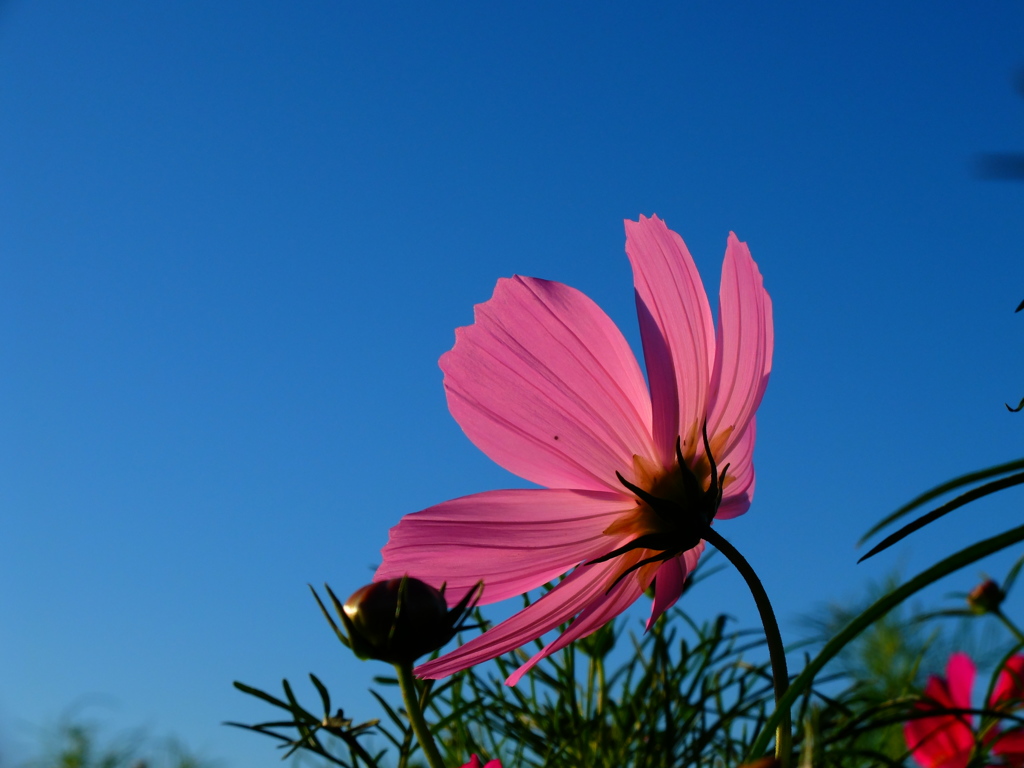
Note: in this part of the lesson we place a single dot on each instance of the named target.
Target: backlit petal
(514, 540)
(474, 762)
(668, 585)
(960, 673)
(573, 594)
(602, 610)
(939, 741)
(1011, 746)
(739, 489)
(676, 329)
(743, 343)
(1009, 688)
(944, 739)
(544, 383)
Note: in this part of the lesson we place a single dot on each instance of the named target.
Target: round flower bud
(397, 620)
(986, 597)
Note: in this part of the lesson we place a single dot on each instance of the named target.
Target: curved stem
(412, 707)
(776, 650)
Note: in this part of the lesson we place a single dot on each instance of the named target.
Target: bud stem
(776, 650)
(407, 683)
(1009, 624)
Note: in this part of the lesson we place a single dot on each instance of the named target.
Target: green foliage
(802, 684)
(677, 698)
(78, 744)
(874, 680)
(316, 734)
(1004, 480)
(885, 661)
(678, 694)
(685, 693)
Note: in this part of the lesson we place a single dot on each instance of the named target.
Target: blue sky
(234, 240)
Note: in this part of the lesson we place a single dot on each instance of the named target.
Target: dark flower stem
(412, 707)
(776, 650)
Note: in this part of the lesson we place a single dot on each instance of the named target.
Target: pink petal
(960, 673)
(743, 342)
(668, 584)
(944, 740)
(573, 594)
(603, 609)
(514, 540)
(1010, 685)
(474, 762)
(668, 587)
(939, 742)
(740, 488)
(544, 383)
(1011, 746)
(676, 329)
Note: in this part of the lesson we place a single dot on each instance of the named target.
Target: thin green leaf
(291, 696)
(1011, 577)
(325, 697)
(935, 514)
(334, 600)
(259, 729)
(939, 490)
(260, 695)
(323, 609)
(390, 711)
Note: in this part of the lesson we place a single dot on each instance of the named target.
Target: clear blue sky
(236, 237)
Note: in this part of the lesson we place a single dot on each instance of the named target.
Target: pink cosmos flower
(947, 740)
(474, 762)
(544, 383)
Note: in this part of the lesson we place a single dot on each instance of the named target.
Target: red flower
(948, 740)
(474, 762)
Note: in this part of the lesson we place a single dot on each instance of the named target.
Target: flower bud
(399, 620)
(764, 762)
(986, 597)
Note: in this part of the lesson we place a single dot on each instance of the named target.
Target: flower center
(674, 508)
